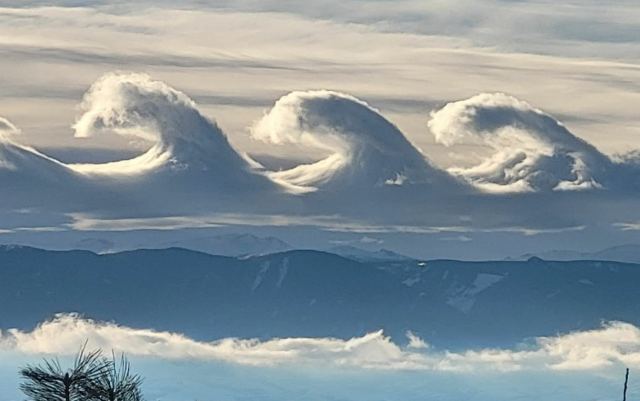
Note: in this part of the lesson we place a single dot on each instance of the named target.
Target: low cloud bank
(613, 344)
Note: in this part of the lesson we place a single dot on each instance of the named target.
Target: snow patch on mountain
(463, 297)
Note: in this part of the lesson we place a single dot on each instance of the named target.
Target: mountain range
(228, 244)
(629, 253)
(312, 294)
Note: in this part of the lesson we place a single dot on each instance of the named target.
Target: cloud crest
(532, 151)
(137, 106)
(365, 149)
(7, 128)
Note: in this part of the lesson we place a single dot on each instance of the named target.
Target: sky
(493, 107)
(462, 129)
(576, 60)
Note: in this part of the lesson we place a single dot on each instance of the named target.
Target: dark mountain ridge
(312, 293)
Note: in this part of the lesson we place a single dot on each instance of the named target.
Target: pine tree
(50, 382)
(116, 383)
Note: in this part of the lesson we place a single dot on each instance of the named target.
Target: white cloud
(532, 26)
(189, 160)
(63, 334)
(532, 150)
(370, 240)
(7, 128)
(24, 170)
(365, 150)
(628, 226)
(260, 55)
(416, 342)
(613, 344)
(459, 238)
(335, 223)
(181, 137)
(192, 177)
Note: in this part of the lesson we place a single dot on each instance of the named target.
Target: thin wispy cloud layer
(613, 345)
(531, 26)
(256, 52)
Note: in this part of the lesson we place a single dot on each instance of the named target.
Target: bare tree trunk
(67, 387)
(626, 381)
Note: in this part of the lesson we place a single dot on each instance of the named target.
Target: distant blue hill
(363, 255)
(310, 293)
(233, 244)
(628, 253)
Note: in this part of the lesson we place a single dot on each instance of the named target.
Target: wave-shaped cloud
(24, 170)
(614, 343)
(182, 139)
(189, 153)
(532, 151)
(191, 169)
(13, 155)
(135, 105)
(365, 149)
